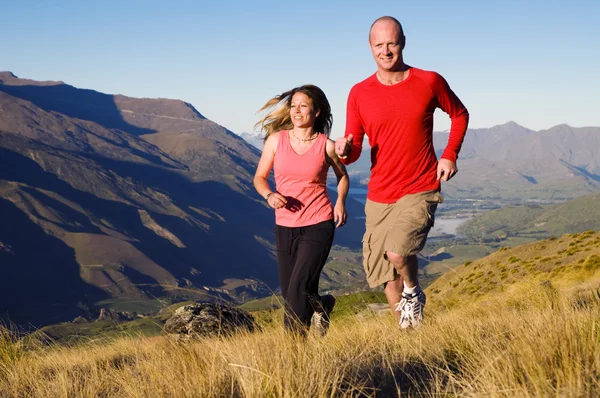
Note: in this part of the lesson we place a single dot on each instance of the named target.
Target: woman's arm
(265, 164)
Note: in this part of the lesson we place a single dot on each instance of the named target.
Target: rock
(208, 319)
(80, 319)
(108, 314)
(379, 308)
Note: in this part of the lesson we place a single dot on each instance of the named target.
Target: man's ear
(403, 42)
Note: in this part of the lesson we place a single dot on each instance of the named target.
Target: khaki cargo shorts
(400, 227)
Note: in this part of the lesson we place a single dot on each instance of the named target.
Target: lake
(446, 226)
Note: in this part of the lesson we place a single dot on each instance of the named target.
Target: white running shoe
(411, 309)
(320, 318)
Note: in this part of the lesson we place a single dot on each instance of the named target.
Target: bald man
(394, 107)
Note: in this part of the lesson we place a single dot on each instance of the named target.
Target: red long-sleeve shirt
(398, 120)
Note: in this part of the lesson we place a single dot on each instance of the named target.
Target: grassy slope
(534, 262)
(573, 216)
(566, 261)
(491, 329)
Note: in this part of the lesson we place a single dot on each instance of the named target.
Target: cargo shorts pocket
(430, 206)
(377, 269)
(366, 242)
(419, 238)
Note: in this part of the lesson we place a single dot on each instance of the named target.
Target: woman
(297, 147)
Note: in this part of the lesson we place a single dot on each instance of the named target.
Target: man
(394, 107)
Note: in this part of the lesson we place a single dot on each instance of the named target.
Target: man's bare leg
(407, 267)
(410, 313)
(393, 293)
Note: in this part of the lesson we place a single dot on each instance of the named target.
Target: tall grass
(537, 341)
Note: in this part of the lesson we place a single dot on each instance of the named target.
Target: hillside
(531, 329)
(571, 261)
(565, 262)
(535, 221)
(105, 196)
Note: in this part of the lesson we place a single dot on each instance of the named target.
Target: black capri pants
(301, 255)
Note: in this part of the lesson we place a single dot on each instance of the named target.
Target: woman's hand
(277, 200)
(339, 214)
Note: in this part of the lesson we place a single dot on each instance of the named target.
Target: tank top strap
(321, 144)
(283, 144)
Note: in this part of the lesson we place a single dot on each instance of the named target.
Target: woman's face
(302, 111)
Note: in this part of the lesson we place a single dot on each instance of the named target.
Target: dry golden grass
(547, 345)
(534, 338)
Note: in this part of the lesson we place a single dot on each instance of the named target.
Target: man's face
(387, 44)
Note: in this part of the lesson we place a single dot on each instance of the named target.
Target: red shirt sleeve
(354, 127)
(459, 116)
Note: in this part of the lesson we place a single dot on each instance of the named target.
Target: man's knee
(396, 259)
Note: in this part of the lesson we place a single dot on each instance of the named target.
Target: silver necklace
(312, 137)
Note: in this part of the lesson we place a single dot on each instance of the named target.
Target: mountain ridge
(511, 162)
(141, 198)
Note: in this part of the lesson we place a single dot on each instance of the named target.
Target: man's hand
(343, 146)
(446, 169)
(339, 214)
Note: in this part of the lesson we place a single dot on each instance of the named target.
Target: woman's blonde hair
(279, 118)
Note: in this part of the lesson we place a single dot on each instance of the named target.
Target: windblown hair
(279, 117)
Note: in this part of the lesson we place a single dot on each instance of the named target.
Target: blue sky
(533, 62)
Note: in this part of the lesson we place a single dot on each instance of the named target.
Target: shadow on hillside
(584, 172)
(220, 236)
(413, 377)
(239, 210)
(440, 257)
(39, 276)
(227, 247)
(217, 249)
(154, 159)
(77, 103)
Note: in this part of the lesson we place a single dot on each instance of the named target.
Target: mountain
(537, 221)
(256, 139)
(111, 197)
(512, 163)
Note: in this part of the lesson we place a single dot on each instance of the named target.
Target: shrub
(592, 263)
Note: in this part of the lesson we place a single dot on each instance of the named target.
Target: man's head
(387, 41)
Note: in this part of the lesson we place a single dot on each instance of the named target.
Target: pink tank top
(302, 180)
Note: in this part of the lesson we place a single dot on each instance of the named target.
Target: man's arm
(349, 147)
(339, 210)
(459, 116)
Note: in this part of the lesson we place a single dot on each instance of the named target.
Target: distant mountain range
(512, 163)
(107, 197)
(256, 139)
